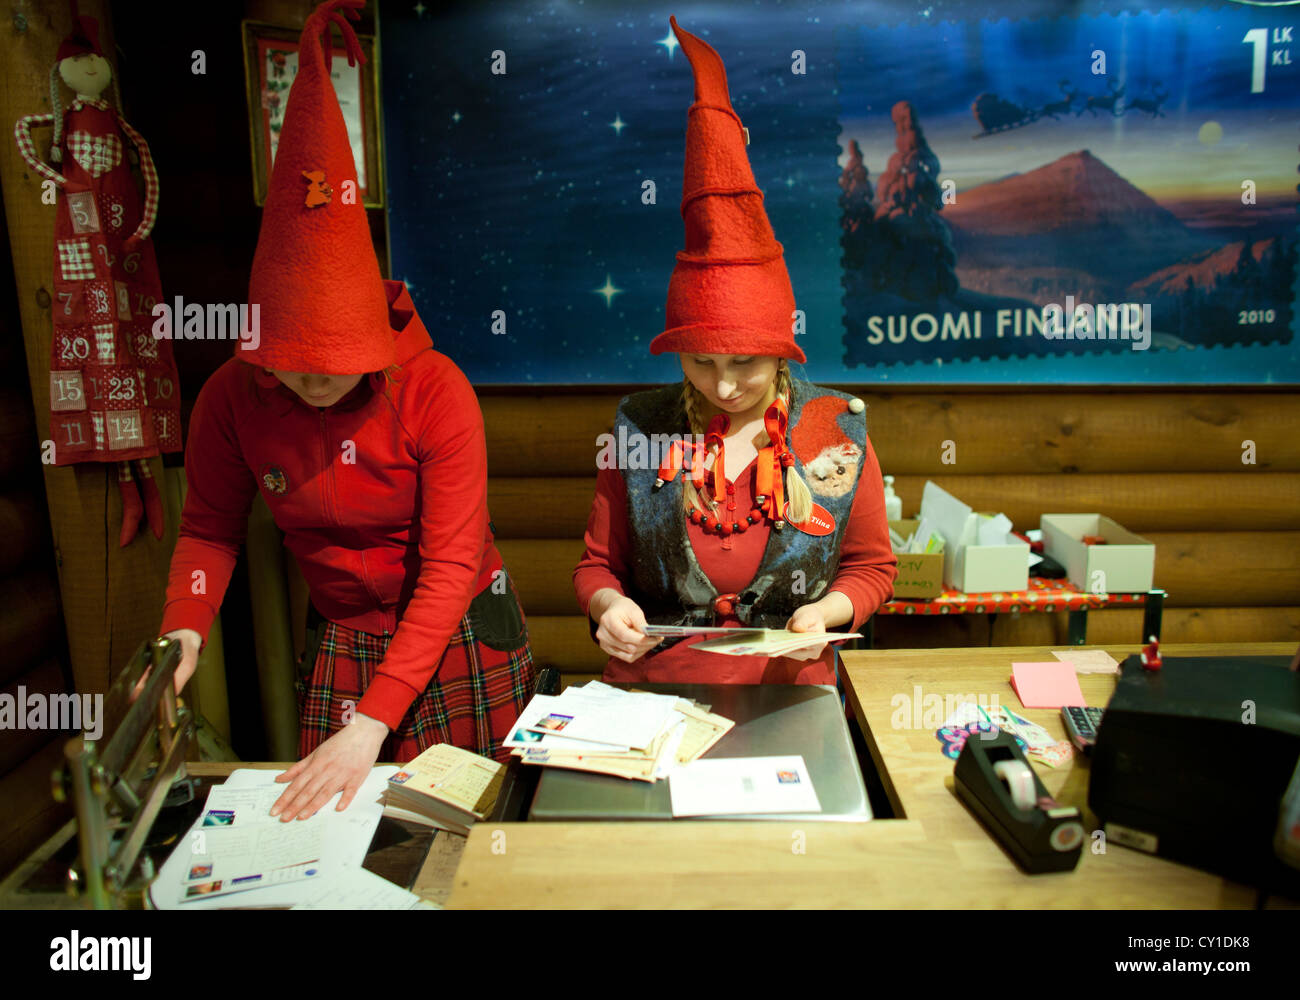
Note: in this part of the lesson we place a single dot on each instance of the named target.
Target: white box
(968, 566)
(1127, 562)
(978, 569)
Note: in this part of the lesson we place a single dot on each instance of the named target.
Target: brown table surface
(938, 856)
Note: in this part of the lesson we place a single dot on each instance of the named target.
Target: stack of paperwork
(238, 855)
(629, 734)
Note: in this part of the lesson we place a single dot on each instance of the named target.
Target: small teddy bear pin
(318, 193)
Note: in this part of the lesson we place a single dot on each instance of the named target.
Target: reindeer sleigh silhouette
(1105, 102)
(996, 114)
(1149, 103)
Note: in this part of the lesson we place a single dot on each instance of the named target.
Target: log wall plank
(1197, 568)
(557, 506)
(1000, 432)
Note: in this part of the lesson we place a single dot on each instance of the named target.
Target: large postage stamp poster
(1069, 186)
(967, 191)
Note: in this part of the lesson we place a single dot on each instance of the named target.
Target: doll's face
(833, 472)
(736, 384)
(318, 390)
(87, 74)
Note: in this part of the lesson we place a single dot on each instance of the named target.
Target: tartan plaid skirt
(475, 695)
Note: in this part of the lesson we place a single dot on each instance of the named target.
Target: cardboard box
(980, 569)
(920, 574)
(1126, 563)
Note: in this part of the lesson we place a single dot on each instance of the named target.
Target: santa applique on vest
(830, 459)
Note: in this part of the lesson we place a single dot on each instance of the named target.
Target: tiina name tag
(820, 521)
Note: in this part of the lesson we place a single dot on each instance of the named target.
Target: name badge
(820, 521)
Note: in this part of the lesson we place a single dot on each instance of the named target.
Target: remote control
(1081, 725)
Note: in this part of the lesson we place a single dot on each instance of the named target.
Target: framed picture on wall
(270, 65)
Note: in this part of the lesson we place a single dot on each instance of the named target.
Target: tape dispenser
(995, 780)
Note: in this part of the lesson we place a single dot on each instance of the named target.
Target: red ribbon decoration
(682, 454)
(696, 455)
(718, 426)
(773, 459)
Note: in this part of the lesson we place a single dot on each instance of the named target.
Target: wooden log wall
(33, 646)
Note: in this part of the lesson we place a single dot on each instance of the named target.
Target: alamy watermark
(931, 711)
(53, 711)
(1103, 321)
(75, 953)
(215, 321)
(645, 451)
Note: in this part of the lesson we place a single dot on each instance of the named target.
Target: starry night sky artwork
(521, 194)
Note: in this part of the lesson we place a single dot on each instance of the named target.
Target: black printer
(1196, 761)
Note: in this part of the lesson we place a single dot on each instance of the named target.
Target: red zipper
(327, 474)
(371, 589)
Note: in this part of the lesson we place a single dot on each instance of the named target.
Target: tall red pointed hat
(315, 276)
(83, 39)
(730, 292)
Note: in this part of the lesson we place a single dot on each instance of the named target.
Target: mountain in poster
(1077, 213)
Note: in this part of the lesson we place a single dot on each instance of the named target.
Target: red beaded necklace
(712, 523)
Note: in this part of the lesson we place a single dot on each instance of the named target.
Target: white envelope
(738, 786)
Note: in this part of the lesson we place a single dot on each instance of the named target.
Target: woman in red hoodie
(368, 447)
(770, 512)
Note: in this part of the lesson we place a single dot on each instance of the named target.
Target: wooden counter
(936, 856)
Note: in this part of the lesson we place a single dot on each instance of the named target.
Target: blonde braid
(56, 105)
(797, 494)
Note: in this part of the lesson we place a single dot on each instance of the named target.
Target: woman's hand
(832, 611)
(809, 618)
(191, 642)
(341, 763)
(620, 626)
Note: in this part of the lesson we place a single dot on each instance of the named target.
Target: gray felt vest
(669, 585)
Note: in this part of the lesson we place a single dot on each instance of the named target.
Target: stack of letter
(629, 734)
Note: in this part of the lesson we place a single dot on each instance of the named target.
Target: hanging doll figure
(113, 386)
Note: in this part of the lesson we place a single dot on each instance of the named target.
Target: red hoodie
(382, 497)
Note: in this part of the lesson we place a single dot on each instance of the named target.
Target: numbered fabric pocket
(95, 154)
(82, 212)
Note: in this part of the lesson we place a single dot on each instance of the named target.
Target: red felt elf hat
(315, 275)
(82, 40)
(730, 292)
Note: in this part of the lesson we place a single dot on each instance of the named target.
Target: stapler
(993, 778)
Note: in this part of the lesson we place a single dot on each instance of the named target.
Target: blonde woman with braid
(768, 511)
